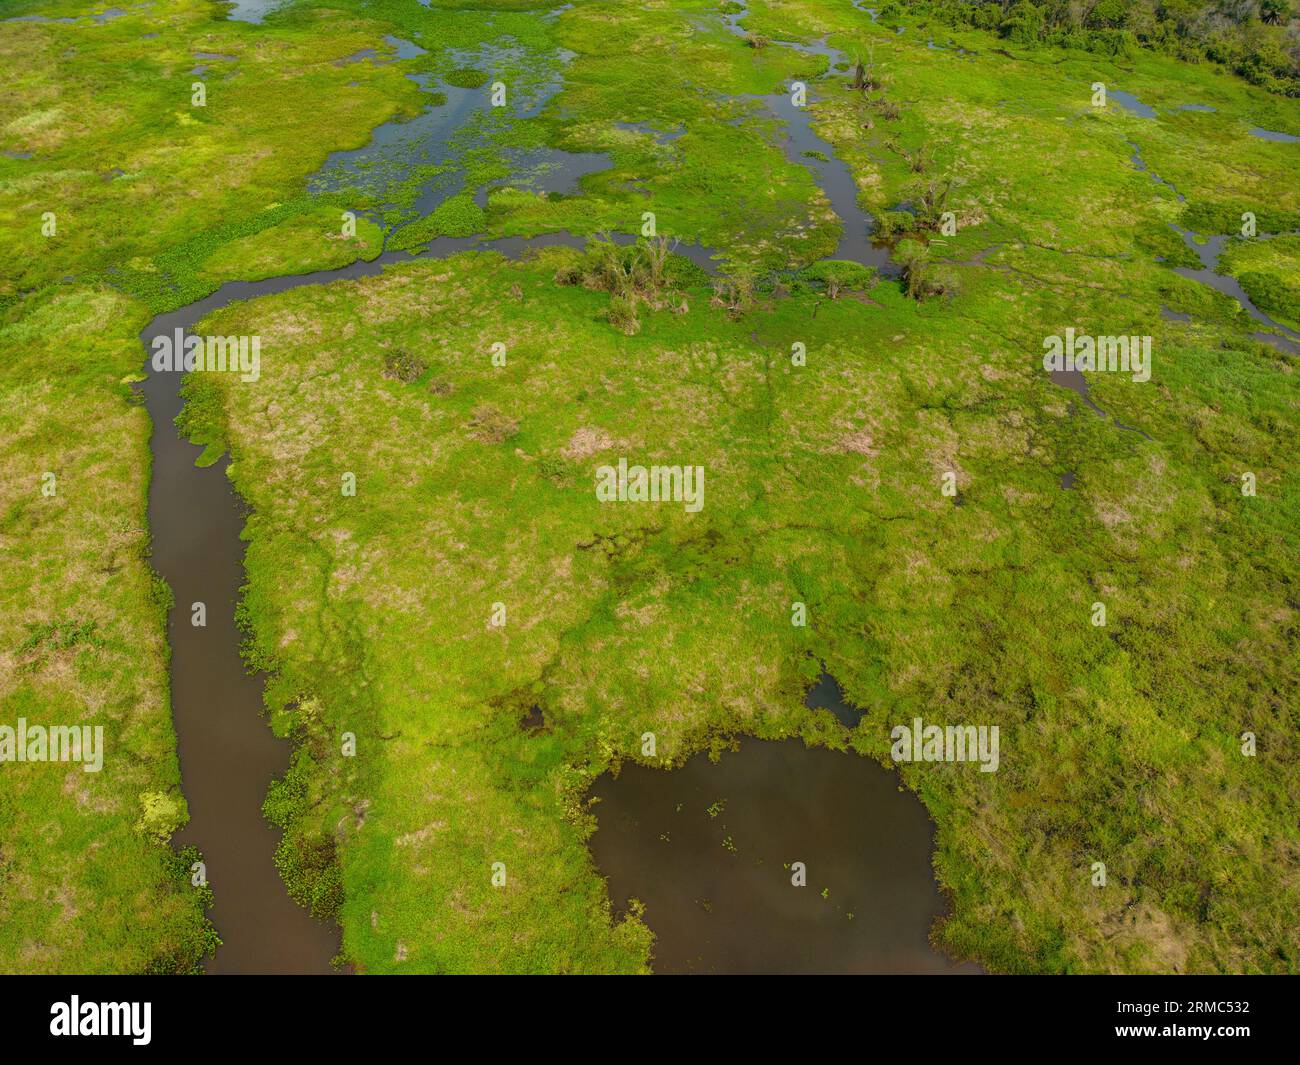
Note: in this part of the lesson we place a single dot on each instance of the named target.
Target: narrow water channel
(228, 754)
(803, 146)
(1213, 246)
(1281, 336)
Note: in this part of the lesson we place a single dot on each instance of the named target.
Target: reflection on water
(253, 10)
(1131, 103)
(1274, 135)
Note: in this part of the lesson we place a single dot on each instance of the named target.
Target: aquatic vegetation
(456, 216)
(145, 186)
(467, 78)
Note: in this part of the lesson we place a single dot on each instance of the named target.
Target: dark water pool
(709, 850)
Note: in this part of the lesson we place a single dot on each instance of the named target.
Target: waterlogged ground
(495, 638)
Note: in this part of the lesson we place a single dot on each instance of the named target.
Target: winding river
(708, 848)
(228, 754)
(868, 843)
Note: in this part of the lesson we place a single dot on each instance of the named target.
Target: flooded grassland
(462, 640)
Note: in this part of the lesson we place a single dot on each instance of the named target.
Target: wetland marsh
(450, 713)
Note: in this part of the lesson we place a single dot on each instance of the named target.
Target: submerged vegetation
(492, 636)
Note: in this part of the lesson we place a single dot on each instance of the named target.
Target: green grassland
(96, 124)
(86, 881)
(475, 487)
(146, 188)
(1121, 744)
(823, 488)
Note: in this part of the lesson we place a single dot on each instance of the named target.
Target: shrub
(622, 315)
(161, 814)
(490, 426)
(645, 272)
(735, 293)
(399, 366)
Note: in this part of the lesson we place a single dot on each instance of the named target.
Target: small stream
(804, 147)
(1209, 252)
(228, 754)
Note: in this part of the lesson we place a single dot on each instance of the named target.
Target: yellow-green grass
(143, 185)
(88, 882)
(1120, 744)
